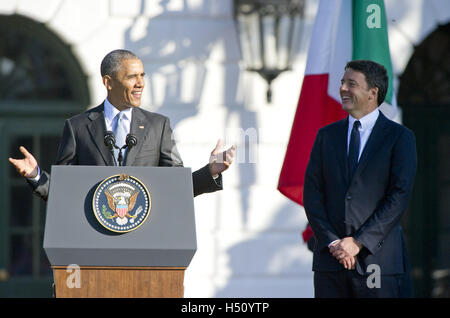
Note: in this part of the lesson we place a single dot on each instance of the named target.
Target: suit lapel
(97, 129)
(138, 128)
(375, 141)
(341, 148)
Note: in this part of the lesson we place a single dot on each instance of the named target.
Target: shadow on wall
(273, 263)
(177, 50)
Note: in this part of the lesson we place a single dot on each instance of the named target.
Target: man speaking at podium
(119, 132)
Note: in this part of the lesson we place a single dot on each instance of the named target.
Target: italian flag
(344, 30)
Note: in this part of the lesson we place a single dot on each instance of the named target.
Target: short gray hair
(111, 62)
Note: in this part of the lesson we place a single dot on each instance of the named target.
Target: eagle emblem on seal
(121, 203)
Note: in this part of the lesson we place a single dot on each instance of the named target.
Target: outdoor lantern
(269, 35)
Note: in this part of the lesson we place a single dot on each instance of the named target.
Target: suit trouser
(350, 284)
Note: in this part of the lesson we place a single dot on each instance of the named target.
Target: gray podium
(89, 260)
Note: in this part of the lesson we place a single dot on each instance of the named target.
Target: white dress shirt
(111, 112)
(367, 123)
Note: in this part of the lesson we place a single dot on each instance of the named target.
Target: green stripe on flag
(370, 36)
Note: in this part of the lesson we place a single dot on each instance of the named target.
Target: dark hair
(376, 76)
(111, 62)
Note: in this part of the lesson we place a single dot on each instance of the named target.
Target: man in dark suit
(82, 141)
(357, 185)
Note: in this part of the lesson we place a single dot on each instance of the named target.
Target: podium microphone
(131, 141)
(110, 142)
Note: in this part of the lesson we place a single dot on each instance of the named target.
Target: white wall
(249, 235)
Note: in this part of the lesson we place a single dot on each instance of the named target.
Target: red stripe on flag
(315, 109)
(307, 234)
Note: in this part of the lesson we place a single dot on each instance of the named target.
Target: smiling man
(123, 76)
(357, 185)
(83, 137)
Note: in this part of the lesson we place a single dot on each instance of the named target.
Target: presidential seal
(121, 203)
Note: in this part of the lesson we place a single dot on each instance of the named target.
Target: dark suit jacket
(82, 143)
(368, 207)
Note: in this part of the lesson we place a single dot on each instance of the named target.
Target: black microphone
(110, 140)
(131, 141)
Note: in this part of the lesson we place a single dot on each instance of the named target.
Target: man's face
(357, 98)
(125, 89)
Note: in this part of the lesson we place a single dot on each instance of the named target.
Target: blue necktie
(353, 149)
(120, 132)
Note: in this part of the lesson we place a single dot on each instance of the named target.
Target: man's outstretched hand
(28, 166)
(220, 161)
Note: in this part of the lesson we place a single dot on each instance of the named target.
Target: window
(41, 84)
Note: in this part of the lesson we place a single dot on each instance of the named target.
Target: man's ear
(107, 81)
(373, 93)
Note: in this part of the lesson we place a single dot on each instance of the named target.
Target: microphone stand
(120, 155)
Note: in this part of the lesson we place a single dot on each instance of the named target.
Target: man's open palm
(220, 161)
(28, 166)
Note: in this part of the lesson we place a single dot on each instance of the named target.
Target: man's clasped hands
(345, 251)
